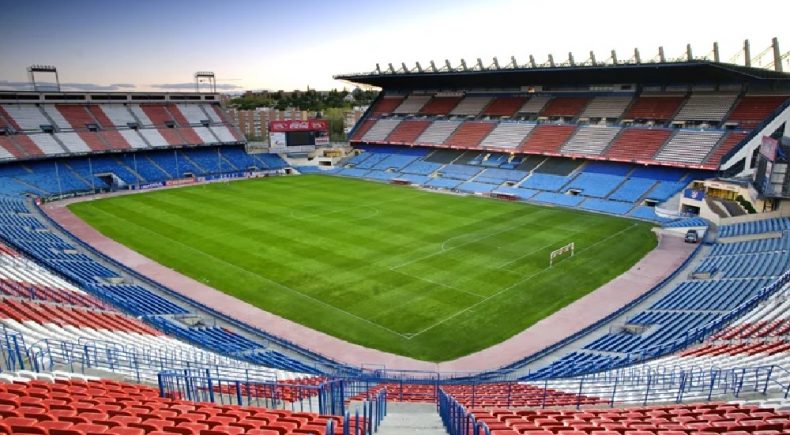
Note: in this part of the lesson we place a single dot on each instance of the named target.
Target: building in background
(254, 123)
(351, 116)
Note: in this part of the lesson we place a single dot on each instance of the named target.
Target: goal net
(557, 253)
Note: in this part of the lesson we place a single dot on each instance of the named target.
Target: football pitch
(422, 274)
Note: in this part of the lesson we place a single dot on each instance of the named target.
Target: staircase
(411, 418)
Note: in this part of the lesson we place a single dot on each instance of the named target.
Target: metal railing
(457, 420)
(327, 398)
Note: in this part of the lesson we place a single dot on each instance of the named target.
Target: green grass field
(421, 274)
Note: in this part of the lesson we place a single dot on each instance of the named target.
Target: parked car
(692, 236)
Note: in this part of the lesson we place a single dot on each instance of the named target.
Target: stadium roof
(696, 71)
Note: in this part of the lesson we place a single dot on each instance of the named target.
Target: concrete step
(411, 418)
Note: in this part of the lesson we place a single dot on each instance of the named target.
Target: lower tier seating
(71, 405)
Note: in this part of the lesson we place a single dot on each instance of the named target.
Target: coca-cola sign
(309, 125)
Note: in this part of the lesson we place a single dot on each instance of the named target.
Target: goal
(570, 247)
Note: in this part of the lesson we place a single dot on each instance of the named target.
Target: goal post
(570, 247)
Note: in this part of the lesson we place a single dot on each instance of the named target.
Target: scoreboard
(298, 135)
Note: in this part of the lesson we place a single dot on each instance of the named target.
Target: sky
(159, 44)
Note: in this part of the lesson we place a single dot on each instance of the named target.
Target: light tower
(208, 78)
(32, 70)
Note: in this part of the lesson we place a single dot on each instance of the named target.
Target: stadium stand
(569, 107)
(412, 104)
(590, 140)
(26, 117)
(386, 104)
(438, 132)
(535, 104)
(407, 131)
(470, 134)
(547, 138)
(753, 109)
(740, 272)
(665, 420)
(654, 107)
(440, 105)
(730, 141)
(689, 147)
(508, 135)
(471, 106)
(65, 403)
(504, 106)
(706, 107)
(380, 130)
(606, 107)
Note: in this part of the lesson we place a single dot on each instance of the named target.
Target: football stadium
(565, 247)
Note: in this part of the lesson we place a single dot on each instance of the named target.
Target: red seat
(232, 430)
(90, 428)
(180, 430)
(65, 432)
(127, 431)
(24, 425)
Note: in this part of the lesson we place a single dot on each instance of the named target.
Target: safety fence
(331, 397)
(457, 420)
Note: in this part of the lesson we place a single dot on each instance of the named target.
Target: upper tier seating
(362, 129)
(471, 106)
(26, 117)
(158, 114)
(535, 104)
(689, 146)
(440, 105)
(590, 139)
(508, 135)
(438, 132)
(504, 106)
(77, 115)
(118, 114)
(408, 131)
(380, 130)
(565, 107)
(387, 104)
(412, 104)
(547, 138)
(706, 107)
(57, 118)
(635, 144)
(606, 107)
(192, 113)
(653, 107)
(753, 109)
(86, 128)
(470, 133)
